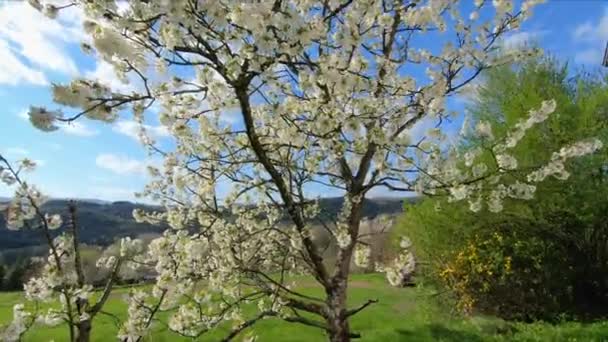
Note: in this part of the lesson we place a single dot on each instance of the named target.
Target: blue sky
(95, 160)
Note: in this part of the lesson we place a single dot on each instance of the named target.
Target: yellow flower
(508, 265)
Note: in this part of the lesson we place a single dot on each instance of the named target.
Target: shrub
(540, 259)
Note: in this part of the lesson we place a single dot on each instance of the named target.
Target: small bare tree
(62, 278)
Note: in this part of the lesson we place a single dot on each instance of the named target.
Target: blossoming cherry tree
(323, 97)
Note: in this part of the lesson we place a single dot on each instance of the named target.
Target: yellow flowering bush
(473, 271)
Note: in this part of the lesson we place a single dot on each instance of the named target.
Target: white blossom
(484, 130)
(130, 247)
(476, 205)
(18, 325)
(53, 221)
(362, 255)
(506, 161)
(555, 167)
(521, 190)
(136, 324)
(43, 119)
(50, 11)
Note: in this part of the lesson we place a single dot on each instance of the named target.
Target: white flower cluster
(130, 247)
(535, 117)
(186, 320)
(466, 186)
(52, 318)
(484, 130)
(556, 166)
(22, 208)
(342, 233)
(53, 221)
(506, 161)
(18, 326)
(44, 119)
(404, 265)
(57, 276)
(86, 94)
(362, 255)
(106, 262)
(137, 323)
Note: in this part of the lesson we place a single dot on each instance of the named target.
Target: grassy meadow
(406, 314)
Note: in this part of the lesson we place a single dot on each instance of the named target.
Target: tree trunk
(83, 331)
(339, 331)
(337, 322)
(337, 317)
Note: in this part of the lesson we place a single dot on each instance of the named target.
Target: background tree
(534, 259)
(62, 276)
(327, 94)
(2, 276)
(14, 278)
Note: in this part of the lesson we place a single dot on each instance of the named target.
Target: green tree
(14, 281)
(535, 259)
(2, 274)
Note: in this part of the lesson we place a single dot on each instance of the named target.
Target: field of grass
(400, 315)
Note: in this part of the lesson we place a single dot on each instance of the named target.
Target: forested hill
(100, 223)
(103, 222)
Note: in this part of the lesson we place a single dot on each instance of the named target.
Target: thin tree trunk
(337, 322)
(84, 331)
(337, 318)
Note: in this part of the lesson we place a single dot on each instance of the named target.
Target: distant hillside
(101, 223)
(104, 222)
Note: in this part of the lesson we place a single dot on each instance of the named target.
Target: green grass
(400, 315)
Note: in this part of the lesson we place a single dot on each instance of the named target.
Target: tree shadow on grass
(438, 332)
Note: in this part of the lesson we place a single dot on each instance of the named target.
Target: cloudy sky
(91, 160)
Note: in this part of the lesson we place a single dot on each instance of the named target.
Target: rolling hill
(104, 222)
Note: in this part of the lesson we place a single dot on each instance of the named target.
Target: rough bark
(337, 322)
(83, 331)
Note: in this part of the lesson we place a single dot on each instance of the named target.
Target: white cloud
(23, 115)
(594, 35)
(592, 32)
(31, 43)
(130, 128)
(521, 39)
(14, 72)
(78, 129)
(583, 31)
(113, 193)
(118, 164)
(589, 56)
(15, 151)
(104, 73)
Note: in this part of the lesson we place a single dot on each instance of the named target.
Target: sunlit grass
(400, 315)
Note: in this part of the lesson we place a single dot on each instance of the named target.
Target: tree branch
(357, 310)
